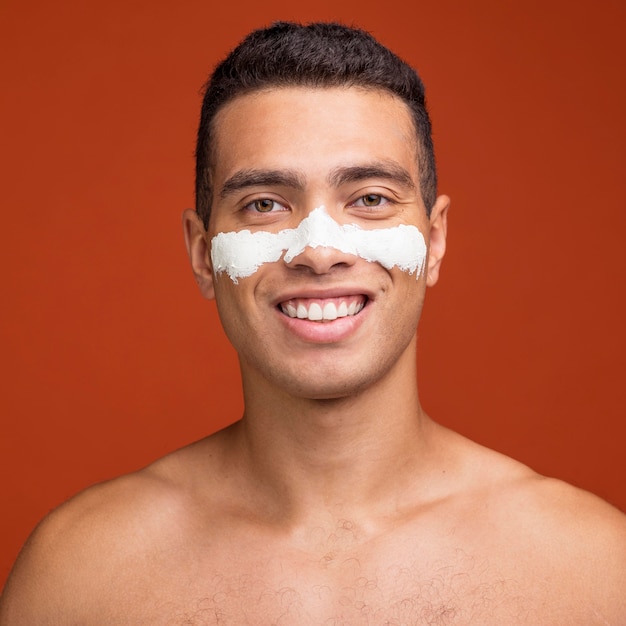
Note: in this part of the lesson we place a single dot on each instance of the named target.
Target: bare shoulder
(568, 515)
(96, 540)
(524, 493)
(554, 534)
(582, 541)
(560, 512)
(558, 509)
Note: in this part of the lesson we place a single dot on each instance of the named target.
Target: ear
(198, 251)
(437, 238)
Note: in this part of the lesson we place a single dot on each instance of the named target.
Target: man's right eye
(265, 205)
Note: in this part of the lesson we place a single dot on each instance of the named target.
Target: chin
(330, 384)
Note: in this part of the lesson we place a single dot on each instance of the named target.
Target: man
(335, 499)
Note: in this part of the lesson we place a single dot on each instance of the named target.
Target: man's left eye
(371, 200)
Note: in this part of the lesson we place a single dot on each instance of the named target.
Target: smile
(323, 310)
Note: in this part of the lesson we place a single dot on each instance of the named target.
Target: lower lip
(324, 332)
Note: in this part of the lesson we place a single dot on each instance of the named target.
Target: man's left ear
(198, 250)
(437, 238)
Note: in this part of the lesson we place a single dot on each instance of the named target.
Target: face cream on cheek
(240, 254)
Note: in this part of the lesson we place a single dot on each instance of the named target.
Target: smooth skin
(335, 499)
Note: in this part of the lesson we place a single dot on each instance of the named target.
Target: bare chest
(365, 601)
(342, 588)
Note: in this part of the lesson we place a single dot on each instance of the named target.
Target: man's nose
(320, 244)
(321, 259)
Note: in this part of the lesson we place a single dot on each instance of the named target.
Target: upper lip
(323, 292)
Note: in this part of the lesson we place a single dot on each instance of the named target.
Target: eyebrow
(262, 178)
(384, 169)
(244, 179)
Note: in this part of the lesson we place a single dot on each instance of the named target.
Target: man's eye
(371, 200)
(265, 205)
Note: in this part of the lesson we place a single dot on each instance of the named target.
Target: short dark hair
(320, 55)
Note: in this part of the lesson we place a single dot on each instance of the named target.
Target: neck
(355, 452)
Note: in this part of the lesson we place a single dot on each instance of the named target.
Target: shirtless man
(335, 499)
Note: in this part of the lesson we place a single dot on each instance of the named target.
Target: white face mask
(240, 254)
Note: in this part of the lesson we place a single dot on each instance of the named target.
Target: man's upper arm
(590, 538)
(72, 566)
(41, 578)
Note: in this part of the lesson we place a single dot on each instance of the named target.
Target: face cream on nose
(240, 254)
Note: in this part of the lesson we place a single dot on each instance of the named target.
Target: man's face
(281, 154)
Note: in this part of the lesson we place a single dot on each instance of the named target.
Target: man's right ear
(198, 251)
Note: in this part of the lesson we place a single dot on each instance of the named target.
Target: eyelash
(383, 200)
(251, 205)
(359, 202)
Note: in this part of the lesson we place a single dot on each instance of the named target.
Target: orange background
(109, 356)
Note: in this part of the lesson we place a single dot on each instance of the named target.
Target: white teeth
(330, 311)
(316, 313)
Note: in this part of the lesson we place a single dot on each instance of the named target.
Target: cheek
(233, 307)
(406, 302)
(401, 247)
(241, 254)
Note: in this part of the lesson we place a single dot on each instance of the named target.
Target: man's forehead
(263, 129)
(306, 91)
(342, 96)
